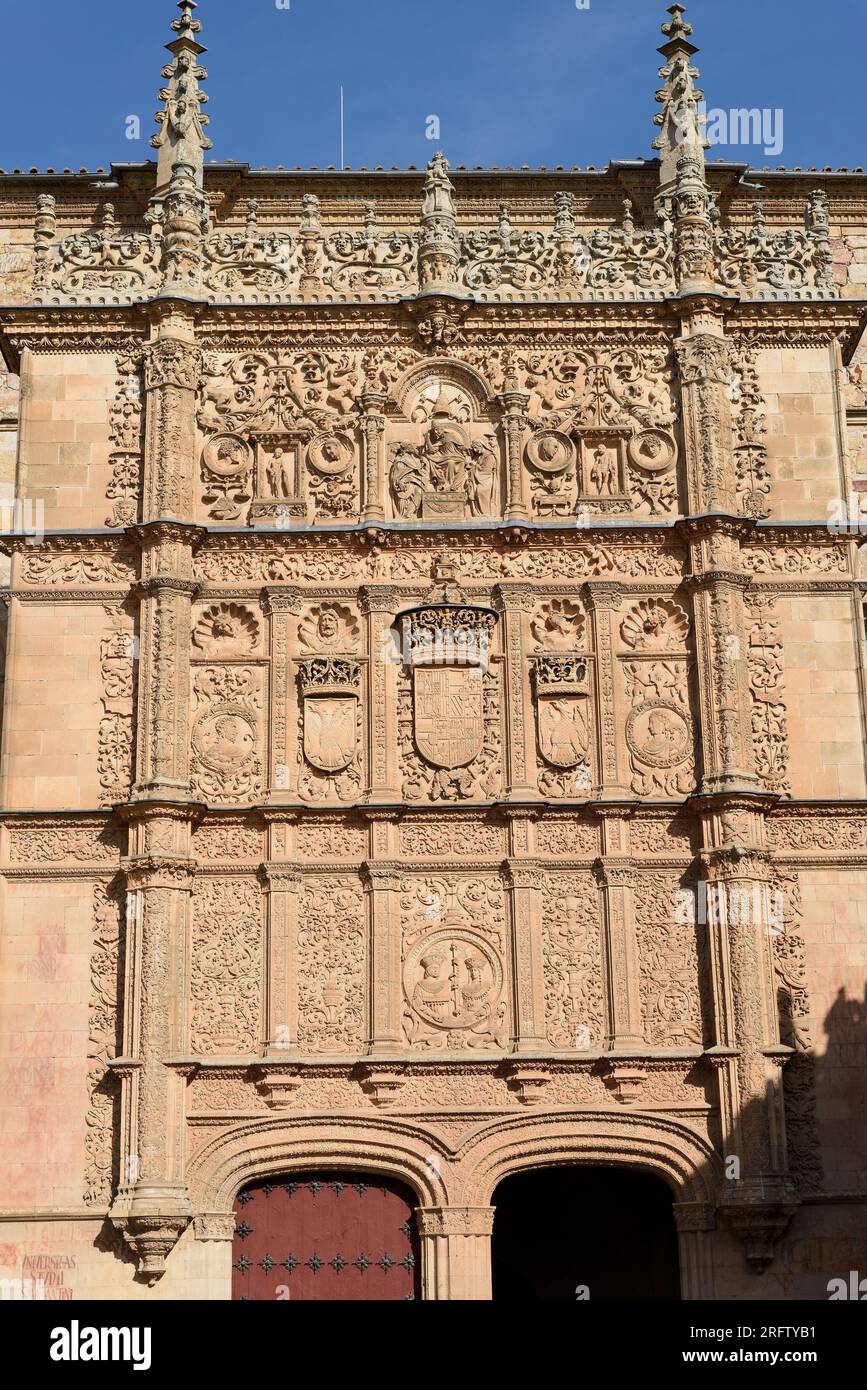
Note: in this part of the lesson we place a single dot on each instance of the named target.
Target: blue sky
(541, 82)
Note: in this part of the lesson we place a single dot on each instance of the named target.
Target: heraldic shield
(564, 729)
(330, 731)
(449, 715)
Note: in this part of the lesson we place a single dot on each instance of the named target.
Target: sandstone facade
(434, 710)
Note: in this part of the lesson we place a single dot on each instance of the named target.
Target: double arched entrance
(559, 1234)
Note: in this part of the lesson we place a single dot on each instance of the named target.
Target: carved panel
(115, 735)
(765, 662)
(226, 969)
(668, 949)
(332, 966)
(454, 968)
(227, 733)
(572, 951)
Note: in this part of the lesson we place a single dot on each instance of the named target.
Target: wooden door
(326, 1236)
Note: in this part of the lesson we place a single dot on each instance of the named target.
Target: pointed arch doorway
(609, 1231)
(325, 1236)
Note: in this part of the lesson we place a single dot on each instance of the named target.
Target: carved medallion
(453, 982)
(449, 715)
(227, 456)
(659, 733)
(550, 451)
(225, 739)
(330, 454)
(653, 450)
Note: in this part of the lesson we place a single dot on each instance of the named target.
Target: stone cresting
(436, 701)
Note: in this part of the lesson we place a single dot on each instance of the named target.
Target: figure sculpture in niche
(603, 472)
(280, 471)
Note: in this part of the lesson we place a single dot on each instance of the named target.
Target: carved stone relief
(667, 937)
(572, 950)
(115, 735)
(226, 969)
(106, 974)
(659, 726)
(454, 972)
(332, 966)
(227, 732)
(765, 660)
(330, 728)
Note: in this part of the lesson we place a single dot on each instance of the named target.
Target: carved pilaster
(604, 601)
(525, 880)
(382, 886)
(281, 1009)
(166, 592)
(379, 603)
(152, 1207)
(617, 879)
(705, 363)
(515, 601)
(281, 605)
(718, 584)
(456, 1252)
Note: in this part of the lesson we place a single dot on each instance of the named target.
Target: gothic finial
(181, 139)
(676, 27)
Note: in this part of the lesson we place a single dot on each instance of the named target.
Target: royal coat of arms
(449, 717)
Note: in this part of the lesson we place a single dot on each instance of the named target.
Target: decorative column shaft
(152, 1207)
(514, 406)
(760, 1197)
(172, 370)
(705, 363)
(374, 466)
(456, 1252)
(728, 760)
(166, 592)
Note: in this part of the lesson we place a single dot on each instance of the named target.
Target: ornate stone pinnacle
(181, 138)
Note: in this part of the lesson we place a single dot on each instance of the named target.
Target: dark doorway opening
(609, 1230)
(326, 1236)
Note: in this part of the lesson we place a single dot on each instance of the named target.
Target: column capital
(455, 1221)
